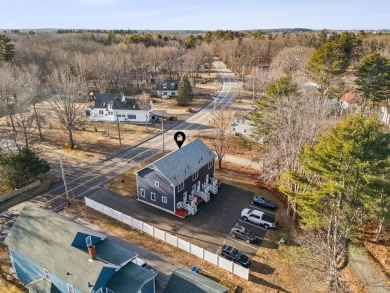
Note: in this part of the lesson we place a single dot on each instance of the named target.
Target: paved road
(370, 279)
(85, 180)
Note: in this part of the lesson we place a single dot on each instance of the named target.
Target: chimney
(91, 252)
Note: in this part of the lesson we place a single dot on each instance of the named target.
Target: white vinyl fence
(171, 239)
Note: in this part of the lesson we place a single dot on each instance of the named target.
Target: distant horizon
(201, 15)
(196, 30)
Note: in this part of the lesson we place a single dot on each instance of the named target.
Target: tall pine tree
(184, 93)
(339, 183)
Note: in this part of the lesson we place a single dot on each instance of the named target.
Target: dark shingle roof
(46, 237)
(185, 281)
(168, 82)
(115, 101)
(138, 276)
(182, 163)
(101, 100)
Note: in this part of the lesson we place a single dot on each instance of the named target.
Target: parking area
(208, 228)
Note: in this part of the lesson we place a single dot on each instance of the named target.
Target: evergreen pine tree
(184, 93)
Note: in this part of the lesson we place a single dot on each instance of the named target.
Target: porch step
(181, 213)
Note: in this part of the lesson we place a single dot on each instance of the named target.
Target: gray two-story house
(178, 182)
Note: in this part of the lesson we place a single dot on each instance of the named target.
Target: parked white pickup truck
(258, 218)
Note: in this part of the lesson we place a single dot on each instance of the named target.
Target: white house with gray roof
(178, 182)
(118, 108)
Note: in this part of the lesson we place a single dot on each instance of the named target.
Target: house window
(142, 192)
(89, 241)
(47, 274)
(153, 196)
(165, 93)
(193, 187)
(131, 116)
(156, 183)
(195, 176)
(101, 112)
(210, 164)
(181, 186)
(110, 113)
(70, 288)
(164, 199)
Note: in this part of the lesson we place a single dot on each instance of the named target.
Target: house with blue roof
(50, 253)
(179, 181)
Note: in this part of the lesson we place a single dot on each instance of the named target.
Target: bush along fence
(171, 239)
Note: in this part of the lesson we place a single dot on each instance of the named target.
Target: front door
(207, 179)
(198, 186)
(185, 197)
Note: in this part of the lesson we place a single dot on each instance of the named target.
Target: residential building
(241, 126)
(167, 88)
(186, 281)
(118, 108)
(178, 182)
(50, 253)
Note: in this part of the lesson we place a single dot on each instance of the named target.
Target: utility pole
(119, 130)
(63, 179)
(162, 129)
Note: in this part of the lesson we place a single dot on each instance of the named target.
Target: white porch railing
(204, 195)
(191, 208)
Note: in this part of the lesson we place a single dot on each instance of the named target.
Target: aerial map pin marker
(179, 137)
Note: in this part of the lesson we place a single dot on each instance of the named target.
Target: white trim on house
(181, 186)
(70, 288)
(156, 183)
(158, 207)
(164, 199)
(88, 240)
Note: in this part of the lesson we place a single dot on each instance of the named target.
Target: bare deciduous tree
(143, 103)
(66, 95)
(219, 134)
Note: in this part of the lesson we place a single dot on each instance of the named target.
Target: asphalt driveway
(208, 228)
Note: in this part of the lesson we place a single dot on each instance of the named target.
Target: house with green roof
(50, 253)
(179, 181)
(186, 281)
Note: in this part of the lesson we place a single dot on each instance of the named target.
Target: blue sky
(195, 14)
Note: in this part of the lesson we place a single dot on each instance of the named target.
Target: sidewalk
(370, 279)
(243, 162)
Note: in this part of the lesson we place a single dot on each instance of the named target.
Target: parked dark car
(263, 202)
(235, 255)
(242, 233)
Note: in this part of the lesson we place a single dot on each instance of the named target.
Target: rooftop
(182, 163)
